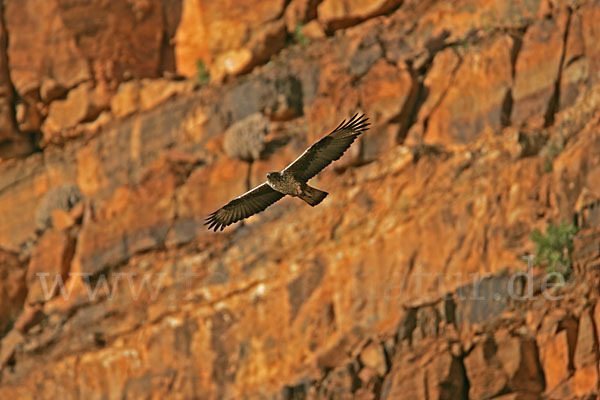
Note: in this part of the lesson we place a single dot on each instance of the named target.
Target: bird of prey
(293, 179)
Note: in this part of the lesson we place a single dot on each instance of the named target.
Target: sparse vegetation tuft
(461, 44)
(554, 248)
(202, 74)
(554, 149)
(299, 36)
(551, 151)
(548, 166)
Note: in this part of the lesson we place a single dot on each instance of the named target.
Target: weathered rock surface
(13, 289)
(475, 101)
(401, 284)
(12, 142)
(228, 43)
(50, 261)
(538, 68)
(336, 14)
(73, 42)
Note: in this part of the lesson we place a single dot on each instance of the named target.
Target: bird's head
(272, 175)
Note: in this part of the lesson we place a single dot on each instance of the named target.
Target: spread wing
(250, 203)
(328, 149)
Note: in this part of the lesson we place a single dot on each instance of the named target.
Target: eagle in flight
(293, 179)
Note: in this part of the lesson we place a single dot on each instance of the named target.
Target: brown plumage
(293, 179)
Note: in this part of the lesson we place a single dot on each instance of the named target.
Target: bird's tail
(312, 196)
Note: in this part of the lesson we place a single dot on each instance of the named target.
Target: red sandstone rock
(313, 30)
(61, 219)
(576, 67)
(50, 260)
(474, 101)
(386, 91)
(506, 362)
(12, 143)
(288, 300)
(440, 77)
(10, 342)
(232, 42)
(13, 289)
(126, 100)
(517, 396)
(156, 91)
(31, 316)
(435, 376)
(117, 227)
(537, 69)
(29, 115)
(585, 380)
(556, 360)
(373, 356)
(55, 36)
(79, 106)
(336, 14)
(298, 12)
(586, 349)
(146, 94)
(589, 14)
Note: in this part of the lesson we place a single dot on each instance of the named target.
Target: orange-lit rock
(436, 374)
(51, 90)
(336, 14)
(28, 115)
(586, 349)
(576, 67)
(313, 30)
(146, 94)
(31, 316)
(474, 101)
(126, 100)
(556, 360)
(232, 62)
(61, 219)
(232, 42)
(487, 377)
(589, 13)
(373, 356)
(32, 24)
(585, 360)
(441, 75)
(157, 91)
(13, 289)
(299, 12)
(585, 380)
(386, 91)
(537, 70)
(13, 144)
(53, 36)
(118, 230)
(50, 262)
(77, 107)
(401, 284)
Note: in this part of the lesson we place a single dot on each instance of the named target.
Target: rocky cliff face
(400, 285)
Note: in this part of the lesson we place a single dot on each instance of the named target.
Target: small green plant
(461, 44)
(552, 151)
(488, 27)
(298, 35)
(202, 74)
(548, 166)
(554, 248)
